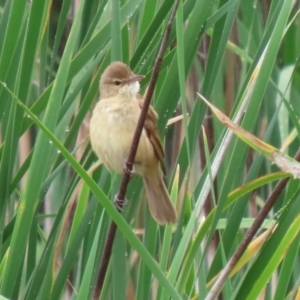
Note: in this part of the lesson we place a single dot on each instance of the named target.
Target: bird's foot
(126, 170)
(119, 203)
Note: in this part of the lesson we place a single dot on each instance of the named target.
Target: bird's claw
(127, 170)
(119, 203)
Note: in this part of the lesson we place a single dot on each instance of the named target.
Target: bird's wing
(153, 134)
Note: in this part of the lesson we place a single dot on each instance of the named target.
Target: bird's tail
(160, 204)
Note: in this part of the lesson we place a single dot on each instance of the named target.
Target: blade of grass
(37, 171)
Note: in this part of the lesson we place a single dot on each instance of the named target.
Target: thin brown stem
(215, 290)
(132, 153)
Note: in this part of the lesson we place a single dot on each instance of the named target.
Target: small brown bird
(112, 128)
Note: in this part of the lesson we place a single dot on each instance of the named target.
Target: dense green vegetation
(241, 55)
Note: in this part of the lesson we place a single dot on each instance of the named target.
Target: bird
(112, 127)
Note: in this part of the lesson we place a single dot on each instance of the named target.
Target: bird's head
(118, 79)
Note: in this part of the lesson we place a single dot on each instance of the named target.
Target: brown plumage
(112, 128)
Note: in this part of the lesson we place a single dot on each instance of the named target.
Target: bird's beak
(135, 78)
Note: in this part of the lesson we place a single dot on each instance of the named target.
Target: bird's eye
(117, 82)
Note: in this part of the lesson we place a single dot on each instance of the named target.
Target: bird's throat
(129, 90)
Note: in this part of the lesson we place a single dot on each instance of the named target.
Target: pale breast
(111, 132)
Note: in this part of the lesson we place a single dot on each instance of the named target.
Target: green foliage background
(54, 216)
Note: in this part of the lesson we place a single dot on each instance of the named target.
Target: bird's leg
(119, 203)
